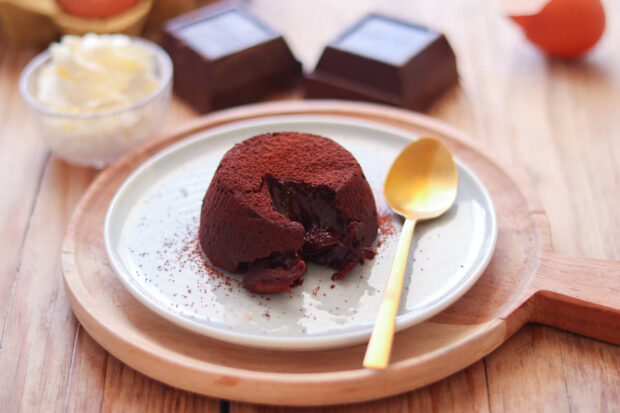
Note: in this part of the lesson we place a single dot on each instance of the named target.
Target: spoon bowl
(421, 184)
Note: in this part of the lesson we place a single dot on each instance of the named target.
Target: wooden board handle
(581, 295)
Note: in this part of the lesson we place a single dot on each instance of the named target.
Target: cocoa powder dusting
(191, 252)
(386, 227)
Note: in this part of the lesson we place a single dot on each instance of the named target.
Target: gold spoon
(421, 185)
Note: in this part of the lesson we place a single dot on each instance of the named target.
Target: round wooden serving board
(525, 281)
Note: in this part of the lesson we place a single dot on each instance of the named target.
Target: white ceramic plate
(152, 224)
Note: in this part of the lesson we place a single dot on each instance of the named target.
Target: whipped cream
(104, 94)
(96, 73)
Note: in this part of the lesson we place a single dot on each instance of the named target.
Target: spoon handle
(380, 344)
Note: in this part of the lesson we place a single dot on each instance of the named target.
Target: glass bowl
(99, 138)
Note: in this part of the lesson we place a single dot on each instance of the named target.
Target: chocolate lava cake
(280, 199)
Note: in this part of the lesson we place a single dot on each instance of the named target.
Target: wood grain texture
(38, 358)
(556, 119)
(566, 284)
(464, 392)
(101, 382)
(22, 159)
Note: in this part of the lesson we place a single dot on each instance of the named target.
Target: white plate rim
(310, 342)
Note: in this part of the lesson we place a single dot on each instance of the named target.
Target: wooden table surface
(558, 120)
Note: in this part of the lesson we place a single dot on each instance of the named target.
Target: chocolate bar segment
(384, 60)
(224, 56)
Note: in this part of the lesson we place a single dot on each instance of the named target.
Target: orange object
(565, 28)
(96, 9)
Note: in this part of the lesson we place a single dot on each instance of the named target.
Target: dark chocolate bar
(381, 59)
(224, 56)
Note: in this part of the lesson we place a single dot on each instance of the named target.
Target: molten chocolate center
(329, 237)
